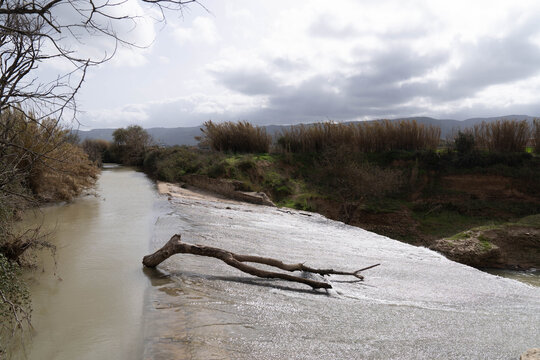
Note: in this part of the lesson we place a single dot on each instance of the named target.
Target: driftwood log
(176, 246)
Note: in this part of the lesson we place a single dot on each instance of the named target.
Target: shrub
(217, 170)
(352, 178)
(170, 164)
(246, 163)
(49, 165)
(464, 142)
(96, 149)
(240, 137)
(151, 159)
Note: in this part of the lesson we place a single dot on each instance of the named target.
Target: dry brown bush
(42, 159)
(64, 179)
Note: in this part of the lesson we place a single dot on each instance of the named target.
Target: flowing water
(528, 277)
(416, 305)
(89, 306)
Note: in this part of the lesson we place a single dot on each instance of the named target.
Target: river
(416, 305)
(90, 305)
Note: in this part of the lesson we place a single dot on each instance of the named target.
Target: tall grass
(240, 137)
(536, 135)
(377, 136)
(502, 135)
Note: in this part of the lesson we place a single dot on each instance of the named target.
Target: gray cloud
(377, 84)
(248, 82)
(326, 26)
(287, 64)
(375, 88)
(380, 84)
(492, 62)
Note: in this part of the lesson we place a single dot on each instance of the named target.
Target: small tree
(96, 149)
(130, 145)
(464, 142)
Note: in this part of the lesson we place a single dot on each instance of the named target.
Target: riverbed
(99, 303)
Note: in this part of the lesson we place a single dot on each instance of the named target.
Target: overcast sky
(284, 62)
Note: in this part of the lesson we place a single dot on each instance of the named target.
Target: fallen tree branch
(176, 246)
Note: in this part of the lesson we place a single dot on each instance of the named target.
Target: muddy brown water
(416, 305)
(90, 305)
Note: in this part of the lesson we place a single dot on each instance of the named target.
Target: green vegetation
(130, 145)
(461, 235)
(389, 177)
(485, 244)
(15, 306)
(528, 221)
(446, 222)
(532, 220)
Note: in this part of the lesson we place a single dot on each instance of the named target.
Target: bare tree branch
(176, 246)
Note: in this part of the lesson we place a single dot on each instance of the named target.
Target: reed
(377, 136)
(239, 137)
(536, 135)
(502, 135)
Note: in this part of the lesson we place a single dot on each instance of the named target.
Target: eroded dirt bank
(502, 247)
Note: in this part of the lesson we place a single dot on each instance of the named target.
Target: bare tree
(35, 32)
(72, 35)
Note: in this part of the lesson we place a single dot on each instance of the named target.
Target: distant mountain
(186, 135)
(163, 136)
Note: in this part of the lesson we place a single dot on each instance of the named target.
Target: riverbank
(407, 196)
(507, 246)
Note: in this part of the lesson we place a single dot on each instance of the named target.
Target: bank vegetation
(396, 178)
